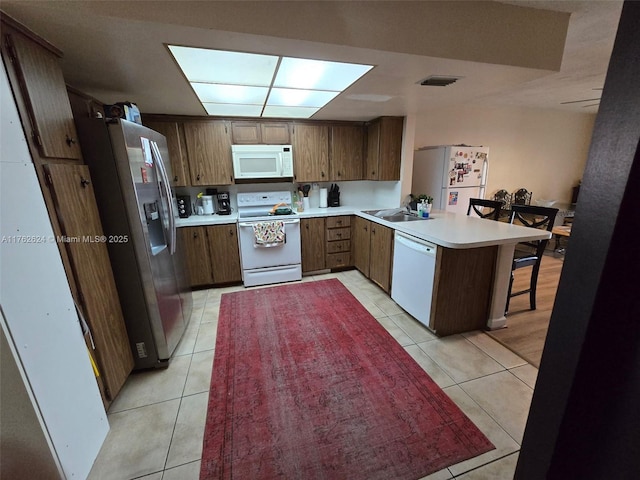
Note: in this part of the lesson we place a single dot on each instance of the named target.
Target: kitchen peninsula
(460, 236)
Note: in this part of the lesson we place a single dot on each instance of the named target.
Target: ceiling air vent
(439, 80)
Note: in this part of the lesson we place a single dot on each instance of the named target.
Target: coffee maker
(224, 205)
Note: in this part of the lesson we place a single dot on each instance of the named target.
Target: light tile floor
(157, 420)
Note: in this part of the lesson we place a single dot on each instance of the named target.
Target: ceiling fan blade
(580, 101)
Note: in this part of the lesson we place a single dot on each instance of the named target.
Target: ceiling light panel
(215, 93)
(288, 112)
(232, 110)
(318, 74)
(299, 98)
(254, 85)
(217, 66)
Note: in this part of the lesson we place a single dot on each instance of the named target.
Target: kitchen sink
(402, 218)
(393, 215)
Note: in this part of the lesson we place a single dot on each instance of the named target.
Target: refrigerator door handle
(167, 187)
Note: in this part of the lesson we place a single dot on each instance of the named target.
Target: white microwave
(262, 161)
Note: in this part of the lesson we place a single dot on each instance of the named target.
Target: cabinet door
(224, 253)
(347, 147)
(312, 238)
(174, 134)
(381, 254)
(245, 133)
(275, 133)
(390, 148)
(310, 144)
(373, 151)
(209, 152)
(196, 253)
(50, 116)
(81, 226)
(361, 243)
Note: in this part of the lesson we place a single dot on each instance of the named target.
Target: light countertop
(444, 229)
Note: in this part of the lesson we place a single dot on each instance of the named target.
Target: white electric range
(271, 263)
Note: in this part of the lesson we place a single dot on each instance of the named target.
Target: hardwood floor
(526, 329)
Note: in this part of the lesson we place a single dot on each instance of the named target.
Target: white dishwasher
(414, 265)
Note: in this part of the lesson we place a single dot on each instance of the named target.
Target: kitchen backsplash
(356, 193)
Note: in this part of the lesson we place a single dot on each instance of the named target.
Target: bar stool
(529, 254)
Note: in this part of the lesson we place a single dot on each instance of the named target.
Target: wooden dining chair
(529, 254)
(485, 208)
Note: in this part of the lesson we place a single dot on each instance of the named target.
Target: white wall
(543, 151)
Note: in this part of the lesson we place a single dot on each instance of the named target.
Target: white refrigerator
(451, 174)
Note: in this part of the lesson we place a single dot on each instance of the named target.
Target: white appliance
(271, 263)
(207, 205)
(451, 174)
(251, 162)
(414, 265)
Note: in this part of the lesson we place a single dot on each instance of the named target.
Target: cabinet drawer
(338, 234)
(338, 222)
(335, 260)
(339, 246)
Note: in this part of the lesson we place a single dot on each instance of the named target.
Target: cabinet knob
(231, 233)
(322, 174)
(339, 173)
(366, 229)
(338, 235)
(195, 234)
(175, 178)
(307, 226)
(84, 182)
(70, 141)
(373, 173)
(198, 177)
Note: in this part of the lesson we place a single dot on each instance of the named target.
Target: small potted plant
(416, 199)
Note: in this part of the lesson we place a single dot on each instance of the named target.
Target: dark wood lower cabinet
(373, 251)
(313, 240)
(381, 256)
(194, 242)
(212, 254)
(463, 284)
(225, 253)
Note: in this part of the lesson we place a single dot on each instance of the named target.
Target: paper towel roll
(323, 198)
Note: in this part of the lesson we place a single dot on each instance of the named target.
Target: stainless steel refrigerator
(130, 169)
(451, 174)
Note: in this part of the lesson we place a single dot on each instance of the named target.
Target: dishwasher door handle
(416, 244)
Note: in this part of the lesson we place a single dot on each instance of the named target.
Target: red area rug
(306, 384)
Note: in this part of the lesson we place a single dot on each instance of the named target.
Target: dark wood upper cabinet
(347, 152)
(384, 148)
(174, 133)
(45, 95)
(310, 144)
(209, 152)
(256, 132)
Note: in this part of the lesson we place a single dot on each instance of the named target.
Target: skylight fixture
(254, 85)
